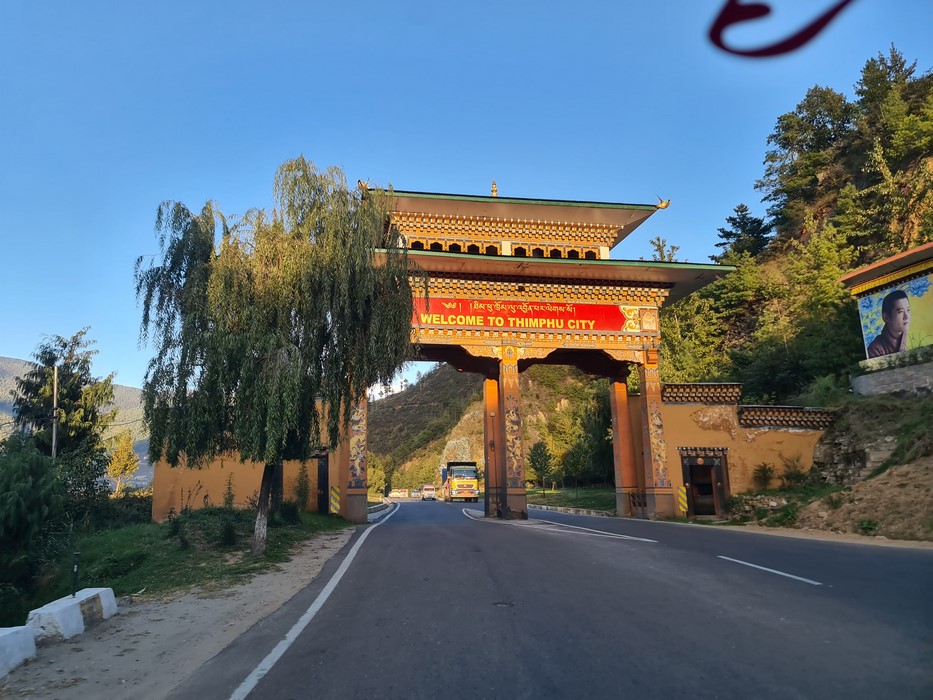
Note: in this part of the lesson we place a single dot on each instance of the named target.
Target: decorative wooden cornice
(420, 226)
(509, 289)
(701, 393)
(785, 417)
(702, 451)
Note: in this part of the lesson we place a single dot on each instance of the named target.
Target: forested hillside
(846, 181)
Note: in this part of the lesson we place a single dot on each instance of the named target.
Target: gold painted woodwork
(916, 270)
(423, 228)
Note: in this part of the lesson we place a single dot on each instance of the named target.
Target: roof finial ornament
(495, 190)
(663, 203)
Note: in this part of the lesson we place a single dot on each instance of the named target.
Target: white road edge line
(601, 533)
(246, 687)
(772, 571)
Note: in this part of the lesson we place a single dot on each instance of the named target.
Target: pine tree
(746, 234)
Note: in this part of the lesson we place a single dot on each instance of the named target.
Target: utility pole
(54, 409)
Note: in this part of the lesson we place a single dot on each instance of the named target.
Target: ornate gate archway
(514, 282)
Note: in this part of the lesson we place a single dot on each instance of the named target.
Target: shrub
(793, 478)
(784, 517)
(867, 527)
(762, 476)
(227, 536)
(229, 494)
(31, 507)
(303, 487)
(290, 513)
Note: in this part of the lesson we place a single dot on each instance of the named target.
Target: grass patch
(207, 548)
(584, 497)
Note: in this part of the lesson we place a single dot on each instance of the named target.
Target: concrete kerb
(61, 619)
(574, 511)
(70, 616)
(377, 513)
(17, 644)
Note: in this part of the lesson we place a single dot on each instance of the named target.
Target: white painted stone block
(70, 616)
(16, 645)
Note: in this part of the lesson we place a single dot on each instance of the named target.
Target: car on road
(428, 493)
(415, 493)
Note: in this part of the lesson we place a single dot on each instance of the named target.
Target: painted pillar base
(624, 507)
(357, 510)
(492, 501)
(660, 504)
(517, 506)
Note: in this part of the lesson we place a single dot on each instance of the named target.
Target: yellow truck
(461, 481)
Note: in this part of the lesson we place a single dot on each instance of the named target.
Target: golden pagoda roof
(620, 219)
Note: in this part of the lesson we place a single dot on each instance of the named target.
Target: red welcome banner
(518, 315)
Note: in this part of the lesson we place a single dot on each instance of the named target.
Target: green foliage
(82, 472)
(141, 557)
(227, 536)
(230, 494)
(129, 507)
(793, 478)
(124, 462)
(290, 513)
(288, 307)
(762, 476)
(847, 183)
(539, 460)
(662, 251)
(868, 527)
(302, 488)
(31, 503)
(826, 391)
(785, 516)
(377, 467)
(692, 341)
(82, 398)
(588, 497)
(276, 331)
(81, 419)
(746, 234)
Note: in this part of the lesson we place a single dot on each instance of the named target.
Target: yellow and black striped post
(682, 499)
(335, 499)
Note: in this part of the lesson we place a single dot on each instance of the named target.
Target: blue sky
(107, 109)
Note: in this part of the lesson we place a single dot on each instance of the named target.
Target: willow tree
(267, 331)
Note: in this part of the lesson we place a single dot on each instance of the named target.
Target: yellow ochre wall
(704, 426)
(177, 488)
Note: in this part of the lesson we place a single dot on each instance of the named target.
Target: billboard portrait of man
(897, 318)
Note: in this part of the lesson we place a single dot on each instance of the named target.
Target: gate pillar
(516, 502)
(494, 450)
(353, 506)
(623, 448)
(658, 491)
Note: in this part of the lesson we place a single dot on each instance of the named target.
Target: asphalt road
(436, 604)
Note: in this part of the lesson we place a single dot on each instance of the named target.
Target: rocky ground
(897, 505)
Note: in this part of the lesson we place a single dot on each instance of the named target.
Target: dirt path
(152, 645)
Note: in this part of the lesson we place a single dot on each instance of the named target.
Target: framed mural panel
(897, 317)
